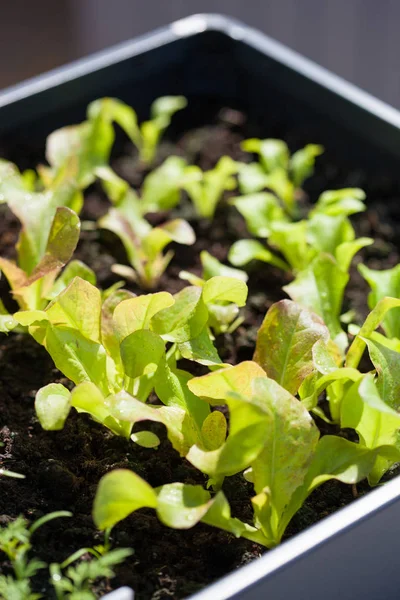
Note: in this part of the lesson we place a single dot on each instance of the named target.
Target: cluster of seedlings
(119, 350)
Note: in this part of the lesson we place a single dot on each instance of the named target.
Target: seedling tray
(352, 554)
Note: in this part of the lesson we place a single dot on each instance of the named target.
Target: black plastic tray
(353, 554)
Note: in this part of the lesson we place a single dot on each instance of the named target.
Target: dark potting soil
(63, 468)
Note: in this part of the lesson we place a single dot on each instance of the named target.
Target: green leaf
(77, 357)
(273, 153)
(207, 188)
(52, 405)
(212, 267)
(261, 212)
(162, 187)
(185, 319)
(384, 283)
(166, 106)
(182, 506)
(376, 423)
(291, 240)
(285, 343)
(386, 363)
(252, 178)
(243, 251)
(374, 319)
(200, 349)
(248, 423)
(313, 288)
(79, 307)
(213, 430)
(290, 439)
(225, 289)
(120, 493)
(146, 439)
(302, 163)
(217, 386)
(345, 252)
(180, 429)
(178, 231)
(141, 352)
(171, 386)
(334, 458)
(347, 201)
(75, 268)
(137, 313)
(86, 397)
(108, 338)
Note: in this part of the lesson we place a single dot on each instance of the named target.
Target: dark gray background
(358, 39)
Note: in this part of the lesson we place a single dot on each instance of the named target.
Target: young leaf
(302, 163)
(181, 432)
(119, 494)
(52, 405)
(274, 154)
(244, 251)
(285, 342)
(213, 430)
(215, 387)
(212, 267)
(146, 439)
(313, 288)
(334, 458)
(162, 187)
(386, 363)
(248, 423)
(225, 289)
(346, 201)
(384, 283)
(171, 386)
(289, 443)
(376, 423)
(261, 212)
(374, 319)
(79, 307)
(185, 319)
(207, 188)
(136, 313)
(141, 352)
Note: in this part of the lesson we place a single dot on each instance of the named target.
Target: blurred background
(357, 39)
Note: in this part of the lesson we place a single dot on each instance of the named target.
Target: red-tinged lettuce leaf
(313, 288)
(216, 387)
(285, 343)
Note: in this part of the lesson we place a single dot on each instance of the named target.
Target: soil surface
(63, 468)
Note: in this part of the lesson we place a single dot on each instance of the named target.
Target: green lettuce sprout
(115, 352)
(205, 188)
(278, 171)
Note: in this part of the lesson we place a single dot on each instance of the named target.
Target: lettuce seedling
(115, 353)
(384, 283)
(278, 171)
(87, 146)
(271, 434)
(48, 238)
(224, 316)
(205, 188)
(144, 244)
(327, 229)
